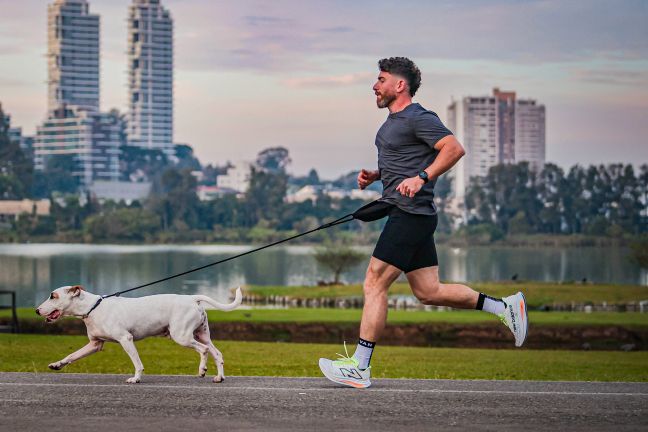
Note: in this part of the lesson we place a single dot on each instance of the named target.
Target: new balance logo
(351, 373)
(512, 318)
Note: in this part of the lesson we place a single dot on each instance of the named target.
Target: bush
(639, 251)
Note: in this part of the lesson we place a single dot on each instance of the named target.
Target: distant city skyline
(253, 75)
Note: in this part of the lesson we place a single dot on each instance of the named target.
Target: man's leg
(378, 279)
(354, 371)
(512, 310)
(427, 288)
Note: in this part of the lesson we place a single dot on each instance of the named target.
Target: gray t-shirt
(405, 145)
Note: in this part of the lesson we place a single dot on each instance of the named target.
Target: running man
(414, 149)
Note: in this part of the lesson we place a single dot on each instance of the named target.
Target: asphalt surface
(61, 401)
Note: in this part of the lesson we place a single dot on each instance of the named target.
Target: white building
(120, 191)
(72, 55)
(237, 177)
(495, 129)
(210, 193)
(91, 138)
(312, 192)
(530, 133)
(150, 76)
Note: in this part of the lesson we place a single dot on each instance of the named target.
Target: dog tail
(221, 306)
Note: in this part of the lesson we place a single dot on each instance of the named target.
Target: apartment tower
(150, 77)
(496, 129)
(72, 55)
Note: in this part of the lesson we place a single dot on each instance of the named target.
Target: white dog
(124, 320)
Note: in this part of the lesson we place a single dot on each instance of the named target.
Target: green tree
(122, 224)
(186, 158)
(174, 200)
(58, 176)
(338, 258)
(140, 163)
(264, 198)
(551, 185)
(642, 192)
(16, 169)
(639, 251)
(442, 191)
(273, 160)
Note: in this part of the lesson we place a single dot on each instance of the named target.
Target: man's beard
(385, 100)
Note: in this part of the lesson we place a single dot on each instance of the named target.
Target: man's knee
(374, 287)
(376, 280)
(430, 294)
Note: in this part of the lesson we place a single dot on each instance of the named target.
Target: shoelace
(502, 319)
(346, 358)
(502, 315)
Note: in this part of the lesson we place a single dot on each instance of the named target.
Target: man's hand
(410, 186)
(365, 178)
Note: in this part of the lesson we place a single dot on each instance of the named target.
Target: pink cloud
(323, 81)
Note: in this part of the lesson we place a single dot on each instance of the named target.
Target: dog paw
(133, 380)
(202, 372)
(55, 366)
(219, 379)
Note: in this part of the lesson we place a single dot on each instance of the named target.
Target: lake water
(33, 270)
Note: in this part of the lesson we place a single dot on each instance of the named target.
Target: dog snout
(38, 311)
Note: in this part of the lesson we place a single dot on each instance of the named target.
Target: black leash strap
(343, 219)
(370, 212)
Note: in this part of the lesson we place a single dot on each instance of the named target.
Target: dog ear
(75, 290)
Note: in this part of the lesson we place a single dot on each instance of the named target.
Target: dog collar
(93, 307)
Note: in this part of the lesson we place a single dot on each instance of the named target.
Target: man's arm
(450, 151)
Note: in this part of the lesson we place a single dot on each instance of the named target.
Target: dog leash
(370, 212)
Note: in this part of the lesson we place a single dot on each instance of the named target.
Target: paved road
(96, 403)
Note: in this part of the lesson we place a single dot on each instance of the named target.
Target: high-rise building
(150, 87)
(530, 133)
(72, 55)
(91, 139)
(505, 102)
(496, 129)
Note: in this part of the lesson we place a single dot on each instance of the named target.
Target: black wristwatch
(423, 176)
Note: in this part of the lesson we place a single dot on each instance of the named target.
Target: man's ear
(401, 86)
(75, 290)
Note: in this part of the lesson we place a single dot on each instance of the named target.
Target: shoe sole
(349, 383)
(526, 319)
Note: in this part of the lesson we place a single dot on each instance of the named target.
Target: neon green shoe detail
(345, 371)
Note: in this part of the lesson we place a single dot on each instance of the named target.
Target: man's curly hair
(405, 68)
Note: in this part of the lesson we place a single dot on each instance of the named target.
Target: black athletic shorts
(407, 241)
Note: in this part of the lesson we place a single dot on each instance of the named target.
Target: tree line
(603, 200)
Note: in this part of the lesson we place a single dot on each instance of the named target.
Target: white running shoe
(515, 317)
(345, 371)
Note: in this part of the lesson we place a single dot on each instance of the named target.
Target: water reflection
(34, 270)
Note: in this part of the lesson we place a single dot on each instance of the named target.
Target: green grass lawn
(536, 293)
(32, 353)
(305, 315)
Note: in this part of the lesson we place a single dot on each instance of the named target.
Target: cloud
(326, 81)
(528, 32)
(267, 21)
(337, 29)
(613, 76)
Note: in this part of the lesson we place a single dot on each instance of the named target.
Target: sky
(256, 74)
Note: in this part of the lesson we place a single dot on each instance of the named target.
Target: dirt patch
(422, 335)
